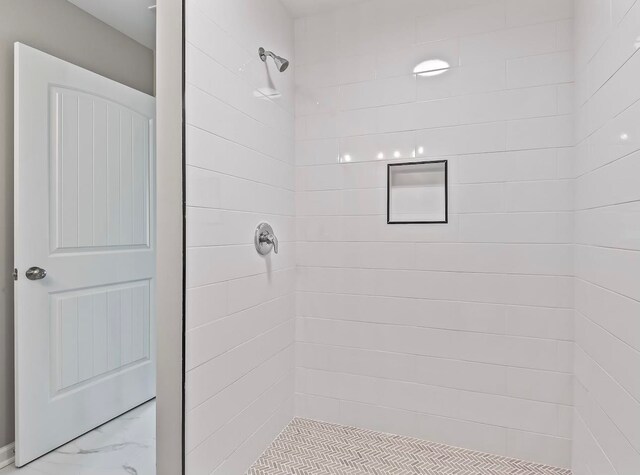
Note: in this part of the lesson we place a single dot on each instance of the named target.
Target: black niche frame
(446, 191)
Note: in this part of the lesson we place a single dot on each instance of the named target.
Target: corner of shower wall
(240, 172)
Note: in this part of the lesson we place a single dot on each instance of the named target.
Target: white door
(84, 212)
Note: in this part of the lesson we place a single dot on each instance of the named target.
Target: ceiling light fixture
(431, 67)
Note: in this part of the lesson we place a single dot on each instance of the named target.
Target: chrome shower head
(281, 63)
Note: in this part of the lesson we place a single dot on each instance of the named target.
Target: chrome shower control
(265, 240)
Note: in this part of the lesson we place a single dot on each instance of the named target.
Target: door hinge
(15, 274)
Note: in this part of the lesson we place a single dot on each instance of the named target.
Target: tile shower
(512, 329)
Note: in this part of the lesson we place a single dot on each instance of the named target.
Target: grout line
(593, 437)
(458, 243)
(607, 289)
(208, 437)
(283, 132)
(243, 277)
(504, 394)
(241, 145)
(433, 357)
(438, 271)
(503, 122)
(344, 294)
(611, 205)
(409, 411)
(275, 412)
(241, 178)
(616, 383)
(248, 244)
(245, 211)
(449, 98)
(419, 327)
(451, 214)
(189, 123)
(609, 332)
(605, 165)
(235, 314)
(263, 362)
(610, 248)
(453, 184)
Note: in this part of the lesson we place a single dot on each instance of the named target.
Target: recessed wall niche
(417, 193)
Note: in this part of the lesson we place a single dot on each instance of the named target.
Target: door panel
(97, 331)
(85, 212)
(104, 148)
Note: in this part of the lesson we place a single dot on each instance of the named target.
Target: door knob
(35, 273)
(265, 239)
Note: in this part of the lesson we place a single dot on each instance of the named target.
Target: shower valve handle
(265, 240)
(270, 239)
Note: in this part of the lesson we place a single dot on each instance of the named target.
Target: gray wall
(59, 28)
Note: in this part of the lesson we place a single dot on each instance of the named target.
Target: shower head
(281, 63)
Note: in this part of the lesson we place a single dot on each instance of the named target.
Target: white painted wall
(457, 333)
(240, 171)
(606, 428)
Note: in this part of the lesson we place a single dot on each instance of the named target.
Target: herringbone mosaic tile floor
(307, 447)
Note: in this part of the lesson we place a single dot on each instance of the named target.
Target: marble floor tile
(123, 446)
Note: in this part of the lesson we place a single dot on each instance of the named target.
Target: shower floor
(308, 447)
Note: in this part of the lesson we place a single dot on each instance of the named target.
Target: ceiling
(301, 8)
(131, 17)
(137, 21)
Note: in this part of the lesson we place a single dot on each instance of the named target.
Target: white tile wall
(607, 252)
(459, 333)
(240, 171)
